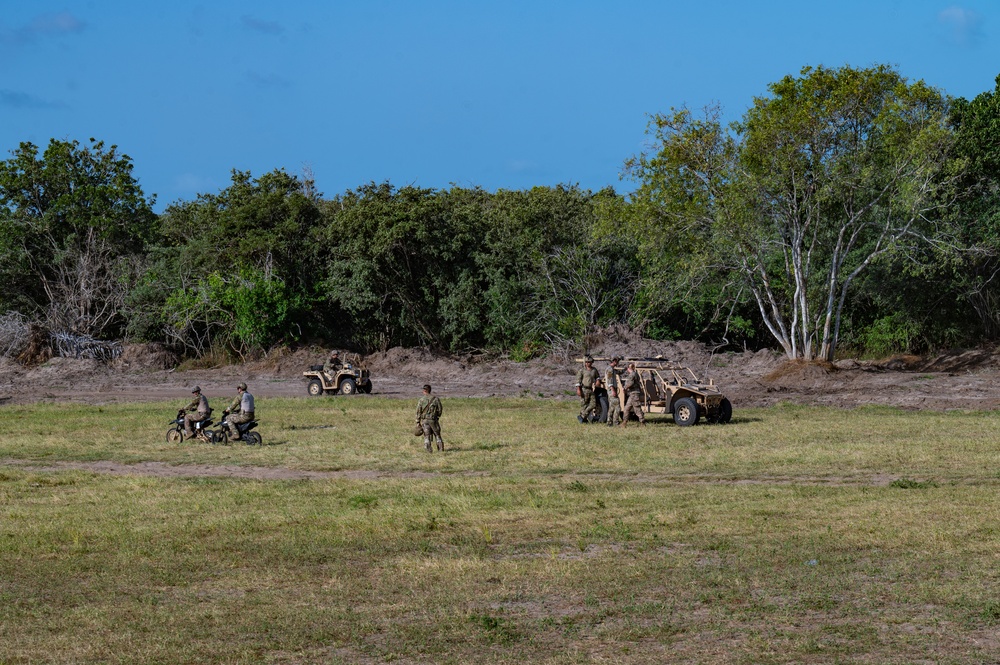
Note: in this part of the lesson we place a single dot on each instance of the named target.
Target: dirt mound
(146, 356)
(800, 371)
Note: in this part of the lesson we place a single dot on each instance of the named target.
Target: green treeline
(848, 209)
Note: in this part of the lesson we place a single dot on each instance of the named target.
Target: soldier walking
(633, 396)
(197, 411)
(240, 411)
(585, 380)
(611, 376)
(428, 417)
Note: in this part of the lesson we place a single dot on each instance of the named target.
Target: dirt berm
(957, 380)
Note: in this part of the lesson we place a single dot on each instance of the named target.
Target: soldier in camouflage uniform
(198, 411)
(585, 380)
(332, 366)
(611, 376)
(428, 417)
(240, 411)
(633, 395)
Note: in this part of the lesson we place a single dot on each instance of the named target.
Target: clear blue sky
(504, 95)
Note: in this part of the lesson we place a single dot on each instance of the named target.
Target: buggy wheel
(602, 408)
(253, 439)
(685, 412)
(348, 387)
(174, 436)
(315, 388)
(725, 411)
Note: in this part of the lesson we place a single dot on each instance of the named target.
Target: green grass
(792, 535)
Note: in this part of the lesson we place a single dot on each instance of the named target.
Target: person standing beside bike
(243, 402)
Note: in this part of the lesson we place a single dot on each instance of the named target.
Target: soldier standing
(244, 402)
(611, 376)
(428, 417)
(585, 380)
(197, 411)
(633, 396)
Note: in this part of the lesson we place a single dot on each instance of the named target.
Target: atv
(677, 390)
(348, 380)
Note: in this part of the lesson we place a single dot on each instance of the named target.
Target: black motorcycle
(246, 435)
(176, 433)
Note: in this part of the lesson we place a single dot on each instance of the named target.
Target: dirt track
(962, 380)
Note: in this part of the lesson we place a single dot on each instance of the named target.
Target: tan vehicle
(677, 390)
(348, 381)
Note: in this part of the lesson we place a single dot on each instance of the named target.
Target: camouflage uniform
(428, 414)
(198, 411)
(245, 403)
(332, 366)
(611, 376)
(633, 396)
(585, 380)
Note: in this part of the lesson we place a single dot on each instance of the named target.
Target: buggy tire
(348, 387)
(174, 436)
(253, 439)
(315, 388)
(725, 411)
(602, 408)
(685, 412)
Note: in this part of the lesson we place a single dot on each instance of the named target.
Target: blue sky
(503, 95)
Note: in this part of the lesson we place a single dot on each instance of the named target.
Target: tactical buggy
(675, 389)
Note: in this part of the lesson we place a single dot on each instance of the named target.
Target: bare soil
(968, 379)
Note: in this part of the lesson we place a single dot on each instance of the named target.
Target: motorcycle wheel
(210, 437)
(253, 439)
(174, 436)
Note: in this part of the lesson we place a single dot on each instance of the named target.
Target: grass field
(791, 535)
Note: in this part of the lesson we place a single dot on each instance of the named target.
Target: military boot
(427, 446)
(440, 445)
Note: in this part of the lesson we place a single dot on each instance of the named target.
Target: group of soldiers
(589, 384)
(239, 411)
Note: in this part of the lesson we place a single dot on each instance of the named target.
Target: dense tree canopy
(847, 207)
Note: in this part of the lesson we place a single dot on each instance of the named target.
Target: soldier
(332, 366)
(585, 380)
(197, 411)
(611, 376)
(428, 415)
(240, 411)
(633, 396)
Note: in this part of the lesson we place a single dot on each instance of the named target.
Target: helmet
(242, 386)
(334, 353)
(588, 359)
(196, 389)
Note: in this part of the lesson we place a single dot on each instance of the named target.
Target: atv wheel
(253, 439)
(315, 388)
(725, 411)
(348, 387)
(174, 436)
(685, 412)
(366, 389)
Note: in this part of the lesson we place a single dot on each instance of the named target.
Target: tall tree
(834, 170)
(73, 226)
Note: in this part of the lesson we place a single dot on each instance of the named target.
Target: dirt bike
(246, 435)
(176, 433)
